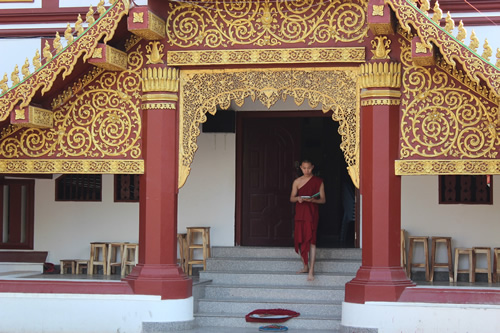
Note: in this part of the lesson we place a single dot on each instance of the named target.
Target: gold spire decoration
(90, 16)
(450, 24)
(78, 25)
(100, 8)
(487, 51)
(36, 60)
(498, 58)
(462, 33)
(56, 44)
(425, 6)
(438, 13)
(68, 35)
(14, 77)
(46, 52)
(25, 70)
(3, 84)
(474, 42)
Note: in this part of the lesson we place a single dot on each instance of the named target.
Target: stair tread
(240, 300)
(278, 273)
(270, 286)
(242, 316)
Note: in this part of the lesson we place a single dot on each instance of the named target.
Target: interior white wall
(66, 229)
(207, 199)
(468, 225)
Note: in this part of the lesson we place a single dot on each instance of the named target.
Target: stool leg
(426, 260)
(472, 268)
(450, 261)
(495, 263)
(457, 256)
(433, 258)
(90, 269)
(410, 259)
(488, 259)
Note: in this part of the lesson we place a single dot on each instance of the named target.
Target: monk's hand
(300, 199)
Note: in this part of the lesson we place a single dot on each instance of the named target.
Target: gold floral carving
(378, 10)
(222, 23)
(101, 125)
(443, 118)
(380, 74)
(266, 56)
(447, 167)
(155, 54)
(334, 88)
(76, 87)
(381, 48)
(64, 62)
(138, 17)
(451, 48)
(158, 106)
(380, 101)
(160, 79)
(72, 166)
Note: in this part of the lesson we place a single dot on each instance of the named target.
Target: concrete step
(280, 252)
(281, 264)
(253, 292)
(336, 279)
(238, 320)
(239, 305)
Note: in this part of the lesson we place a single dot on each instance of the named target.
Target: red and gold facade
(410, 98)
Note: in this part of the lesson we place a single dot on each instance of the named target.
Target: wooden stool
(182, 240)
(487, 270)
(130, 257)
(205, 246)
(114, 260)
(496, 269)
(98, 250)
(403, 250)
(413, 241)
(458, 252)
(67, 264)
(434, 264)
(80, 265)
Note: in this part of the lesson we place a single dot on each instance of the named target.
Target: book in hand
(310, 196)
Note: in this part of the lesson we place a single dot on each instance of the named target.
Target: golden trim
(378, 10)
(204, 91)
(371, 102)
(266, 56)
(72, 166)
(380, 93)
(160, 97)
(447, 167)
(138, 17)
(160, 79)
(158, 106)
(380, 74)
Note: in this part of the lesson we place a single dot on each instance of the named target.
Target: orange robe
(306, 218)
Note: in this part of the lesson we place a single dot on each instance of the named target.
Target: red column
(157, 272)
(380, 278)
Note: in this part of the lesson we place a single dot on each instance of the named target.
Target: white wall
(66, 229)
(19, 50)
(468, 225)
(208, 197)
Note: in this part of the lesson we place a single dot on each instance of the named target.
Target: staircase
(239, 280)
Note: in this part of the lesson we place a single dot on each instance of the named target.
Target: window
(79, 188)
(466, 189)
(126, 188)
(17, 211)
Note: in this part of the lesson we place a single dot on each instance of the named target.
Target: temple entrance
(270, 146)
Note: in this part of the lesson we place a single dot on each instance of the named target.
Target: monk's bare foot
(310, 277)
(303, 270)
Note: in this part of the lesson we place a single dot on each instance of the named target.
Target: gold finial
(3, 84)
(498, 58)
(36, 60)
(474, 42)
(90, 16)
(56, 43)
(450, 24)
(46, 52)
(155, 50)
(14, 77)
(100, 8)
(425, 6)
(438, 13)
(25, 70)
(78, 25)
(487, 51)
(381, 47)
(462, 33)
(68, 34)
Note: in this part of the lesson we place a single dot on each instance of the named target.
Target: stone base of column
(382, 284)
(168, 281)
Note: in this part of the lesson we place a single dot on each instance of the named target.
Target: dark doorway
(270, 147)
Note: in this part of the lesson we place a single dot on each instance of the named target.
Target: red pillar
(157, 272)
(380, 277)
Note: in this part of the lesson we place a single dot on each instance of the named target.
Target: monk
(304, 194)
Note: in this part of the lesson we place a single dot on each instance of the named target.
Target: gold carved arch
(336, 89)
